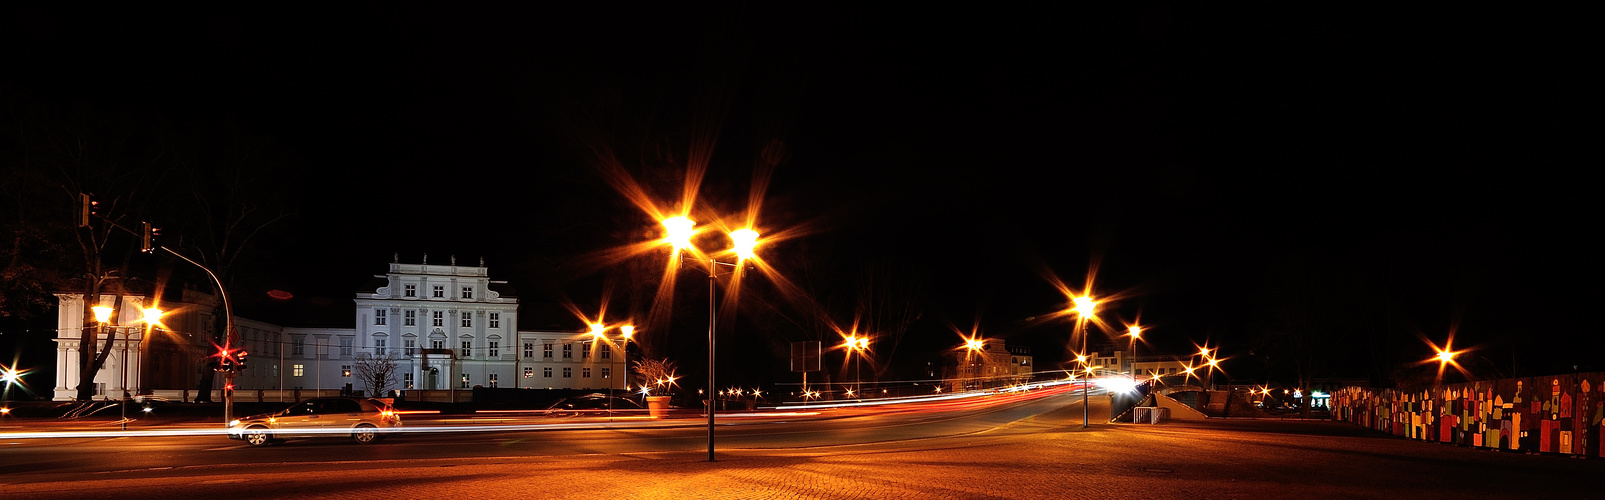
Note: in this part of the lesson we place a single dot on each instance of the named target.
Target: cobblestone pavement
(1046, 457)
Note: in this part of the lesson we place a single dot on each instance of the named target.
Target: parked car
(590, 403)
(361, 419)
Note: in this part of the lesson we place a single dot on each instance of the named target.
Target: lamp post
(679, 231)
(1136, 335)
(103, 316)
(1085, 307)
(974, 346)
(857, 345)
(626, 332)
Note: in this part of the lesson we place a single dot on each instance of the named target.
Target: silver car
(364, 420)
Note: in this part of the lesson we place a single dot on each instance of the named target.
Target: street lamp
(974, 346)
(103, 316)
(678, 232)
(1136, 335)
(1085, 307)
(857, 345)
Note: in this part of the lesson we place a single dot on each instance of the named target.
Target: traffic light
(144, 242)
(239, 359)
(86, 208)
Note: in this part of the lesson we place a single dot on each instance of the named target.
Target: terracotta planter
(657, 406)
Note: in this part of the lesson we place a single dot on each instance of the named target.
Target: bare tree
(658, 374)
(377, 372)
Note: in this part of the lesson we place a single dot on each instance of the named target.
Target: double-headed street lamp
(1084, 309)
(679, 231)
(857, 345)
(626, 332)
(103, 316)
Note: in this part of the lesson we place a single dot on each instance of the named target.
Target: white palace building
(450, 328)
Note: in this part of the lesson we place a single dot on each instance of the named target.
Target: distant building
(995, 364)
(448, 328)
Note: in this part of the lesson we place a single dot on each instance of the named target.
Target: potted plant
(657, 377)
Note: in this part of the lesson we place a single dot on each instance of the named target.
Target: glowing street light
(857, 345)
(678, 232)
(1085, 307)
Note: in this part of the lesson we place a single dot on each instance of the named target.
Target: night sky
(1419, 170)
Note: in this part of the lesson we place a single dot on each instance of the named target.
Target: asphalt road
(1019, 449)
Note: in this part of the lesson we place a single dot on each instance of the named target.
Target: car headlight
(233, 423)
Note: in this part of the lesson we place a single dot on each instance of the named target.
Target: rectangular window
(468, 292)
(465, 381)
(345, 346)
(607, 352)
(411, 318)
(406, 380)
(529, 372)
(607, 372)
(437, 344)
(568, 351)
(547, 351)
(379, 316)
(439, 318)
(585, 350)
(298, 347)
(495, 320)
(490, 380)
(468, 319)
(568, 372)
(495, 348)
(345, 371)
(412, 290)
(298, 370)
(468, 346)
(547, 372)
(411, 347)
(440, 291)
(585, 373)
(379, 347)
(529, 349)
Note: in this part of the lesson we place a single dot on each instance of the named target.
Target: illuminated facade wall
(448, 327)
(1556, 414)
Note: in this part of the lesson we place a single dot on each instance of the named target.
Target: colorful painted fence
(1556, 414)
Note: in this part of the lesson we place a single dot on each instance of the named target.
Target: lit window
(298, 370)
(345, 370)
